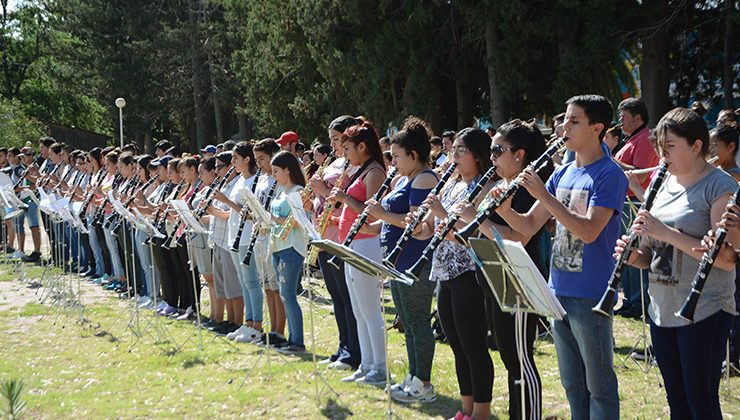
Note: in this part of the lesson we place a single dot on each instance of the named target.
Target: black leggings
(462, 314)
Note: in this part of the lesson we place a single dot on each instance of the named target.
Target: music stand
(519, 288)
(192, 226)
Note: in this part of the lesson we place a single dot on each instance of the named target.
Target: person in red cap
(288, 141)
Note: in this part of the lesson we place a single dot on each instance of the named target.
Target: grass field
(101, 368)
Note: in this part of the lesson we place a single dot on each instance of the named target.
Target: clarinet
(439, 236)
(43, 182)
(606, 304)
(362, 218)
(256, 226)
(463, 235)
(91, 193)
(118, 221)
(421, 212)
(705, 267)
(100, 213)
(243, 217)
(21, 178)
(201, 210)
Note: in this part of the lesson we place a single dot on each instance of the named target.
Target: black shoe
(35, 256)
(9, 250)
(221, 326)
(227, 327)
(633, 313)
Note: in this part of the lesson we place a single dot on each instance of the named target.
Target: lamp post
(120, 103)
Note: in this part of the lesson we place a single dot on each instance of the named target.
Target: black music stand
(519, 288)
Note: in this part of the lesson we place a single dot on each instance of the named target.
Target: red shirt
(639, 153)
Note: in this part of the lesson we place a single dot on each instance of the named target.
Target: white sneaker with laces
(415, 391)
(401, 385)
(359, 373)
(161, 304)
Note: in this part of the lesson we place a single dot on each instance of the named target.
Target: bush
(16, 128)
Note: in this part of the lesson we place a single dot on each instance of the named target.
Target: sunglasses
(497, 150)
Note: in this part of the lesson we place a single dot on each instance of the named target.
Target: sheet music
(299, 213)
(258, 212)
(186, 216)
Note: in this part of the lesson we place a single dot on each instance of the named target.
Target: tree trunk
(496, 100)
(655, 75)
(728, 76)
(216, 99)
(464, 96)
(196, 70)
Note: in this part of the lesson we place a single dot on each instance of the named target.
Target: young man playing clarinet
(585, 196)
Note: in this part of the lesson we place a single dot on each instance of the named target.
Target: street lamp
(120, 103)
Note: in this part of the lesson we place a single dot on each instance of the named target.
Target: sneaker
(415, 391)
(144, 302)
(188, 315)
(241, 330)
(168, 310)
(326, 361)
(292, 349)
(374, 377)
(339, 365)
(276, 340)
(247, 336)
(161, 305)
(18, 254)
(400, 386)
(35, 256)
(358, 374)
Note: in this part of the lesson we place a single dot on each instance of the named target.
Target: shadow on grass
(192, 361)
(332, 410)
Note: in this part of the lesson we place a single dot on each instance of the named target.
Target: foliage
(16, 128)
(12, 391)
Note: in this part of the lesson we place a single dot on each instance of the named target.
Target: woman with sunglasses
(514, 146)
(460, 299)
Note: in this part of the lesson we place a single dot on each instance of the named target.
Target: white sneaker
(239, 331)
(374, 377)
(400, 386)
(326, 361)
(248, 336)
(415, 391)
(339, 365)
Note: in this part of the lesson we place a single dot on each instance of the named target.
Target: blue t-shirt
(578, 269)
(400, 200)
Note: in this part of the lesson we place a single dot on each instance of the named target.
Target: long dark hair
(288, 160)
(479, 144)
(527, 137)
(365, 133)
(683, 123)
(245, 149)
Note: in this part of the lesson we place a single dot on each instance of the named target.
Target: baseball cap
(27, 151)
(209, 149)
(163, 161)
(288, 137)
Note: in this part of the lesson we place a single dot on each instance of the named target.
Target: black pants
(462, 313)
(348, 350)
(189, 296)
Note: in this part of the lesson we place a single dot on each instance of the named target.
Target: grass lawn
(101, 368)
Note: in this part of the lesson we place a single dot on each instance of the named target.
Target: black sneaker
(291, 349)
(35, 256)
(218, 326)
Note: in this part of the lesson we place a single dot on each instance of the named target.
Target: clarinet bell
(415, 271)
(689, 307)
(390, 259)
(606, 304)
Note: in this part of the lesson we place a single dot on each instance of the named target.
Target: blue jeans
(583, 341)
(288, 264)
(250, 282)
(690, 360)
(95, 246)
(142, 251)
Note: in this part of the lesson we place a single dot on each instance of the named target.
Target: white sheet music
(296, 207)
(258, 212)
